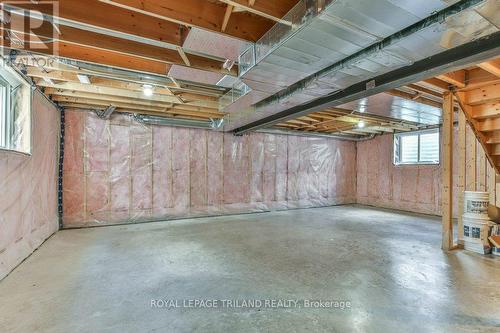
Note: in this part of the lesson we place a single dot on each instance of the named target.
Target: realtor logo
(30, 26)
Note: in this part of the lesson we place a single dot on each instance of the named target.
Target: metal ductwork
(174, 122)
(328, 48)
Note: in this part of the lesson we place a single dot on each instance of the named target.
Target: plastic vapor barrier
(415, 188)
(28, 190)
(118, 171)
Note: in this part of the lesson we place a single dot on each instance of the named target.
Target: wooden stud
(481, 168)
(470, 163)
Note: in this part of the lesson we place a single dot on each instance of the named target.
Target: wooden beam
(425, 90)
(103, 57)
(412, 97)
(492, 66)
(437, 83)
(447, 173)
(62, 72)
(95, 13)
(35, 72)
(77, 87)
(478, 78)
(227, 16)
(184, 56)
(135, 101)
(271, 10)
(89, 103)
(456, 78)
(85, 38)
(201, 14)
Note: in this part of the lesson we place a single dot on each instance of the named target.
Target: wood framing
(91, 40)
(112, 18)
(243, 25)
(456, 78)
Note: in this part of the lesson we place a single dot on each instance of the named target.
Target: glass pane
(409, 149)
(397, 158)
(429, 147)
(3, 115)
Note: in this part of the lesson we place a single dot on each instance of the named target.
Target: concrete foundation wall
(119, 171)
(28, 190)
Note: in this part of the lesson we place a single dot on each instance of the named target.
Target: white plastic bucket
(477, 248)
(476, 233)
(476, 204)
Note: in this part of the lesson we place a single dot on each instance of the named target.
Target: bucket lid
(477, 192)
(478, 219)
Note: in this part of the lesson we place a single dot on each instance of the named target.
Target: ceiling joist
(243, 25)
(94, 40)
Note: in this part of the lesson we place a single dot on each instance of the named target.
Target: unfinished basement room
(250, 166)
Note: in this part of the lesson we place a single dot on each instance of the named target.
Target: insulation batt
(415, 188)
(28, 189)
(120, 171)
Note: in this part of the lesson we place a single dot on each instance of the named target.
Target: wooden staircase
(480, 102)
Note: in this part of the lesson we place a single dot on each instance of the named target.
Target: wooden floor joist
(248, 24)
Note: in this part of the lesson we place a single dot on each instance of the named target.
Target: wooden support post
(447, 192)
(462, 162)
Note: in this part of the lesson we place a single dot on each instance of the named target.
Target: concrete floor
(387, 264)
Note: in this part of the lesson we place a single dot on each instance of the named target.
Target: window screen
(417, 147)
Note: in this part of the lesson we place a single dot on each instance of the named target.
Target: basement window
(420, 147)
(15, 111)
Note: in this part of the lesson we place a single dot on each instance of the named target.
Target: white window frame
(397, 136)
(10, 80)
(5, 114)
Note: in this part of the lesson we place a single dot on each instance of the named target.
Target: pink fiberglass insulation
(120, 171)
(380, 183)
(28, 189)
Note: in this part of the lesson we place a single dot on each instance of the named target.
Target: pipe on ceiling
(175, 122)
(316, 134)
